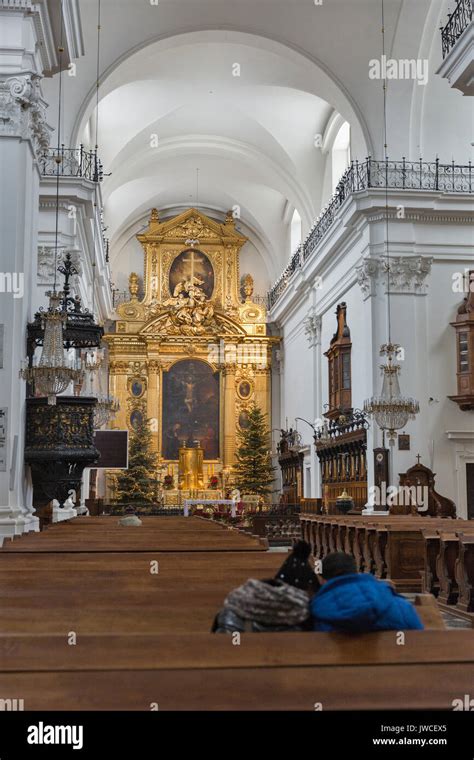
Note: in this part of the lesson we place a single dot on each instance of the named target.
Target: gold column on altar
(190, 468)
(154, 368)
(230, 421)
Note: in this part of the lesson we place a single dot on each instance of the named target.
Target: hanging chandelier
(52, 375)
(107, 406)
(391, 410)
(105, 410)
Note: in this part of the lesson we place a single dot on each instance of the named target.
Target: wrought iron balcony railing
(403, 175)
(72, 162)
(458, 21)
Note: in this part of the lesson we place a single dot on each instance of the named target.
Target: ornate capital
(23, 110)
(312, 328)
(407, 273)
(367, 273)
(404, 274)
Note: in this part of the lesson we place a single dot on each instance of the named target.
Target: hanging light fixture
(53, 374)
(390, 410)
(105, 410)
(107, 406)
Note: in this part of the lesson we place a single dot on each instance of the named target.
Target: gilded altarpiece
(193, 353)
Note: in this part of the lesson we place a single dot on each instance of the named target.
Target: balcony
(72, 162)
(390, 175)
(457, 41)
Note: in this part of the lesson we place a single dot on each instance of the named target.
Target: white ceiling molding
(333, 126)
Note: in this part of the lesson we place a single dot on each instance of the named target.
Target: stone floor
(453, 621)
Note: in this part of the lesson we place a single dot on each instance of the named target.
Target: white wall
(420, 321)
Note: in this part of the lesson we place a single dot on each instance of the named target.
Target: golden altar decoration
(190, 467)
(193, 353)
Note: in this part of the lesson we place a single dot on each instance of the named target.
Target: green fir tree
(253, 470)
(137, 484)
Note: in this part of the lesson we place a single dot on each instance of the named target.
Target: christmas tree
(138, 483)
(253, 470)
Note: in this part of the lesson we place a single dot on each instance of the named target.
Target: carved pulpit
(192, 355)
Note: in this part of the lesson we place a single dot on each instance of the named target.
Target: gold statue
(190, 313)
(133, 286)
(248, 287)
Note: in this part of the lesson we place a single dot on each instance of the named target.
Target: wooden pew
(171, 659)
(429, 612)
(274, 671)
(390, 546)
(464, 573)
(116, 592)
(430, 580)
(188, 534)
(445, 566)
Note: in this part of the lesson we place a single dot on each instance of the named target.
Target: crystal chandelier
(52, 375)
(107, 406)
(391, 410)
(105, 410)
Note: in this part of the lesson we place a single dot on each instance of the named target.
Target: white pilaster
(23, 135)
(313, 325)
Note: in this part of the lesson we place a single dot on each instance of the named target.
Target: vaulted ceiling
(218, 103)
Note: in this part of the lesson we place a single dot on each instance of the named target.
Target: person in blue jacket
(355, 602)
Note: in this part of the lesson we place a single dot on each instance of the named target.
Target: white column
(313, 324)
(23, 134)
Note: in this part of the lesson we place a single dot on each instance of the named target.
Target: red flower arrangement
(213, 481)
(168, 482)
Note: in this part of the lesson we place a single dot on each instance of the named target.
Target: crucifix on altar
(193, 259)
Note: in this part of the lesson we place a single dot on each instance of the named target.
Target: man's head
(336, 564)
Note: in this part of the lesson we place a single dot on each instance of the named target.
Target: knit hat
(269, 603)
(296, 570)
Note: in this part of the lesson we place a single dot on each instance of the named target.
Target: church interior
(236, 343)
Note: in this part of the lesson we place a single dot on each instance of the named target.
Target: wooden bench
(464, 573)
(274, 671)
(389, 546)
(143, 638)
(455, 571)
(116, 592)
(186, 534)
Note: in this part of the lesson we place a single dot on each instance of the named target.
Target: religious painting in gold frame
(245, 389)
(190, 409)
(137, 386)
(194, 267)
